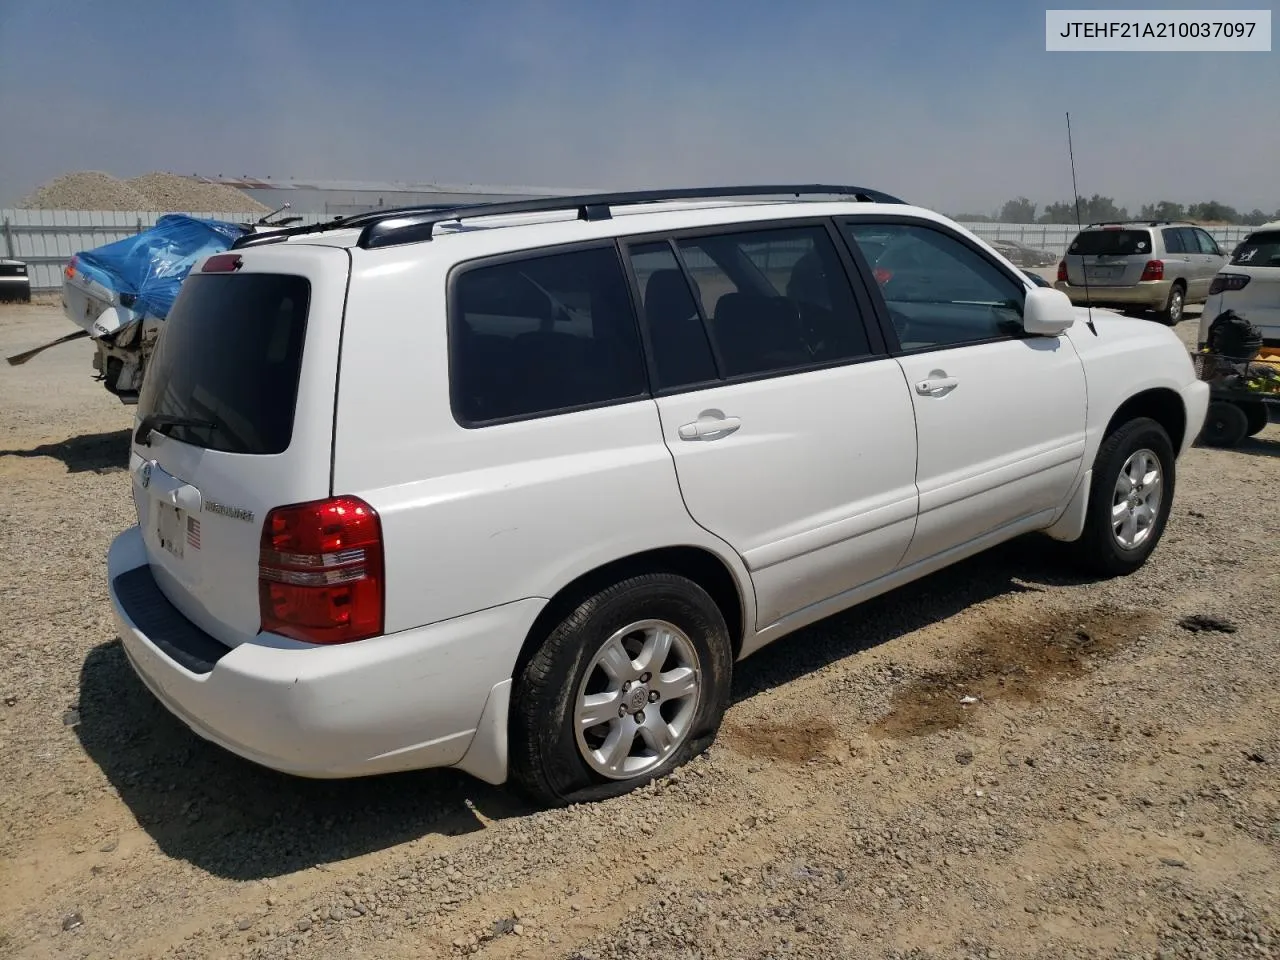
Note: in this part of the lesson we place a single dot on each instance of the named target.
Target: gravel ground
(1113, 792)
(93, 190)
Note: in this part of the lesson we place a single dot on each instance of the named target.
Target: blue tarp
(152, 265)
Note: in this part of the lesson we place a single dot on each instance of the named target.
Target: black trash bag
(1231, 335)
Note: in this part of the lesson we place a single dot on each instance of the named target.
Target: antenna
(1076, 192)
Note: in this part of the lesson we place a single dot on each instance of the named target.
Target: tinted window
(1189, 242)
(1173, 241)
(939, 291)
(1112, 243)
(1207, 243)
(1261, 249)
(677, 338)
(230, 354)
(543, 334)
(775, 299)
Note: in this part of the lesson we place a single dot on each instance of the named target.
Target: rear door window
(774, 300)
(1173, 240)
(543, 334)
(230, 355)
(1261, 249)
(1111, 243)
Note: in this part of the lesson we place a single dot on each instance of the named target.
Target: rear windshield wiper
(153, 421)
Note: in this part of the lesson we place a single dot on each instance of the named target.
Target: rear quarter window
(230, 353)
(1111, 243)
(541, 335)
(1260, 249)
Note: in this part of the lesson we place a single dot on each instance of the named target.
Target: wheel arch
(698, 564)
(1162, 405)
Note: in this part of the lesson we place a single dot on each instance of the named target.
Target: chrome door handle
(709, 429)
(937, 386)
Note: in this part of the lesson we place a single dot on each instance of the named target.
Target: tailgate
(241, 386)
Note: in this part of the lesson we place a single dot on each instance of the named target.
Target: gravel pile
(170, 192)
(167, 192)
(89, 190)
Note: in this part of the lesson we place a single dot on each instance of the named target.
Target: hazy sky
(953, 105)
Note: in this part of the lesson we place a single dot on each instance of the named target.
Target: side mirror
(1047, 312)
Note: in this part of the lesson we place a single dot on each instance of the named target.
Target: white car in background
(1249, 284)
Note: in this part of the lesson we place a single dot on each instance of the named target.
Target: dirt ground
(1113, 791)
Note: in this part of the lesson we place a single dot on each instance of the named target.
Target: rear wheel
(1255, 412)
(1225, 424)
(1172, 312)
(1129, 499)
(627, 687)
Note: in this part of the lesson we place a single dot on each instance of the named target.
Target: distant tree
(1092, 210)
(1164, 210)
(1254, 217)
(1213, 210)
(1020, 210)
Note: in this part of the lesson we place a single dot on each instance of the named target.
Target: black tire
(1098, 551)
(1255, 412)
(1225, 424)
(1175, 306)
(545, 760)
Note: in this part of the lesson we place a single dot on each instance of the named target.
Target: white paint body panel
(815, 490)
(1258, 302)
(840, 484)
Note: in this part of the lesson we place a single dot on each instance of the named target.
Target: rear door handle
(709, 429)
(936, 386)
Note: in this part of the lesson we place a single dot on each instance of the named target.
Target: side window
(677, 338)
(940, 292)
(1207, 243)
(542, 335)
(775, 299)
(1173, 240)
(1189, 242)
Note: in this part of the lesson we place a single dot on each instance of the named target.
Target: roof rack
(1148, 223)
(384, 228)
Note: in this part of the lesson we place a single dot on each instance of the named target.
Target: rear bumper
(405, 701)
(1148, 294)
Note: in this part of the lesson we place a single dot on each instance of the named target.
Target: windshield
(1261, 249)
(229, 356)
(1111, 243)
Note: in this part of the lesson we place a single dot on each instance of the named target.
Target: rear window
(1111, 243)
(543, 335)
(230, 354)
(1261, 249)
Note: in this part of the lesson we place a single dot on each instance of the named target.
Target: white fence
(47, 239)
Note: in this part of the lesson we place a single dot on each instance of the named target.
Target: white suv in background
(511, 488)
(1249, 284)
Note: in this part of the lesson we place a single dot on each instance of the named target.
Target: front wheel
(1255, 412)
(1129, 499)
(627, 687)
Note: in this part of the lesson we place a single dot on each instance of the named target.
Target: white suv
(510, 488)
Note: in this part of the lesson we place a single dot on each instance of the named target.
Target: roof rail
(1149, 223)
(383, 228)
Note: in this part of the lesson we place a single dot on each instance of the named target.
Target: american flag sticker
(193, 532)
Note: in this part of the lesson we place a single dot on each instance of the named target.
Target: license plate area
(170, 528)
(1101, 273)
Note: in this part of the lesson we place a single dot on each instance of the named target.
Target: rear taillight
(1154, 270)
(1228, 281)
(320, 571)
(1062, 271)
(70, 270)
(223, 263)
(882, 275)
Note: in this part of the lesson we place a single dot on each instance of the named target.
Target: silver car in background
(1135, 266)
